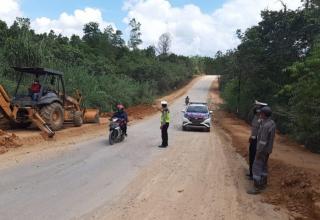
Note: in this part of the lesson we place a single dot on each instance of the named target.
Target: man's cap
(266, 110)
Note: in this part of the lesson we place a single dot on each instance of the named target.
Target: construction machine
(40, 98)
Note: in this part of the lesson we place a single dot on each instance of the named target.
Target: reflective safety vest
(165, 116)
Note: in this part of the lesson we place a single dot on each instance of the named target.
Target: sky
(197, 27)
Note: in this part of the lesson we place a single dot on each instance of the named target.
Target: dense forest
(105, 68)
(278, 62)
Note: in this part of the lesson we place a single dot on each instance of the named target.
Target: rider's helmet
(120, 107)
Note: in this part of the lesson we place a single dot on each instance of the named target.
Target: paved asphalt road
(88, 174)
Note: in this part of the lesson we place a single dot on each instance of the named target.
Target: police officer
(265, 141)
(165, 120)
(255, 125)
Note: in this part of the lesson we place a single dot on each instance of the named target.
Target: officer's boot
(264, 182)
(256, 188)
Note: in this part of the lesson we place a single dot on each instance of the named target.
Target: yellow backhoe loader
(40, 98)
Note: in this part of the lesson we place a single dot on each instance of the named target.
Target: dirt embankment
(294, 172)
(32, 138)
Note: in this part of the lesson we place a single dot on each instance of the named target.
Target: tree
(164, 44)
(117, 40)
(135, 34)
(304, 101)
(109, 33)
(151, 51)
(3, 32)
(99, 64)
(278, 62)
(91, 33)
(23, 23)
(75, 40)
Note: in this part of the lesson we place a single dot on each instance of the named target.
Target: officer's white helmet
(260, 103)
(163, 102)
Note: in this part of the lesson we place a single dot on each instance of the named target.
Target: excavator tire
(77, 119)
(52, 114)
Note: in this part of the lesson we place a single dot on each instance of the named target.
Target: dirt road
(198, 177)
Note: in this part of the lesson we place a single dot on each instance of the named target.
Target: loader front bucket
(91, 116)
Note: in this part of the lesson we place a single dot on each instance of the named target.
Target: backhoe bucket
(91, 116)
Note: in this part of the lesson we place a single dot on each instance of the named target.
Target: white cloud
(68, 24)
(193, 31)
(9, 10)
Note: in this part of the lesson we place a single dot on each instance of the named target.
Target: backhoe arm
(37, 120)
(5, 105)
(10, 112)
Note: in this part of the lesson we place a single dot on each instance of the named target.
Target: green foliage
(230, 89)
(278, 62)
(99, 64)
(304, 101)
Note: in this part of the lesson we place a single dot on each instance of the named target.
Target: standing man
(255, 125)
(165, 120)
(265, 141)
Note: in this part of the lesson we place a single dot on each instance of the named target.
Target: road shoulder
(294, 181)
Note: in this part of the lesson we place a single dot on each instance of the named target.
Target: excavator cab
(38, 90)
(38, 86)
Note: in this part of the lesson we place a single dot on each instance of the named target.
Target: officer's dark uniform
(265, 139)
(253, 141)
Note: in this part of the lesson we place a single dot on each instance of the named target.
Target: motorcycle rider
(187, 99)
(165, 120)
(121, 114)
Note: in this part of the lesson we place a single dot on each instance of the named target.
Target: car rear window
(198, 109)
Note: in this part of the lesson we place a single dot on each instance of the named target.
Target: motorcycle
(116, 134)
